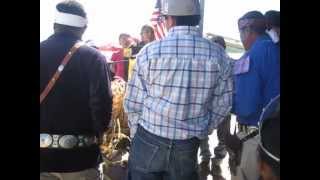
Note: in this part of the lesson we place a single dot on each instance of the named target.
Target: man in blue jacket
(257, 81)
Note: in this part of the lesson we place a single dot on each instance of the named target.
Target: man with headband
(257, 81)
(75, 99)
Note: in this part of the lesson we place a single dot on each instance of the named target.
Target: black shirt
(80, 103)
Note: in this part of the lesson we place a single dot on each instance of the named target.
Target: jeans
(157, 158)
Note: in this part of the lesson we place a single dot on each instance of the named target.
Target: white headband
(70, 19)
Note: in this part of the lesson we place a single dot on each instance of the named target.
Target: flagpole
(202, 2)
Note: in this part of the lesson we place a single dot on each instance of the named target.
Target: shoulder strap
(56, 75)
(253, 134)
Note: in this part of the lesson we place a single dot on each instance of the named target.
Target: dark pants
(220, 151)
(156, 158)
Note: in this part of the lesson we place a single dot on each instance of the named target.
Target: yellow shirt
(132, 63)
(127, 52)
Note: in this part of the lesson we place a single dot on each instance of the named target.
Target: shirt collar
(263, 37)
(187, 30)
(65, 36)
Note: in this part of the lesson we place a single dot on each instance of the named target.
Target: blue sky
(107, 19)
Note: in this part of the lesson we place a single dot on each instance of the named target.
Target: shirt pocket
(241, 66)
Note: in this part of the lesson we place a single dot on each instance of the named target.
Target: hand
(233, 142)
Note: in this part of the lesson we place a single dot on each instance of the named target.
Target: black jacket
(80, 103)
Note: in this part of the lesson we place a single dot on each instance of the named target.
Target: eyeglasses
(266, 112)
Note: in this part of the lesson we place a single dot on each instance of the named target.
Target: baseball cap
(180, 7)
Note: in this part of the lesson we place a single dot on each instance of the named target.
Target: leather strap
(56, 75)
(253, 134)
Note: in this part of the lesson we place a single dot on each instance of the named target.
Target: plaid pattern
(181, 86)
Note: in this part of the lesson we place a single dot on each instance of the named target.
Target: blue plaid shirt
(181, 86)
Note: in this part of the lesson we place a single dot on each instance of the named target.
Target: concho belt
(66, 141)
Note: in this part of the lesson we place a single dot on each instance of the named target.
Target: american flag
(157, 23)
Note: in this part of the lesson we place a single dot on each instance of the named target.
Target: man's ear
(84, 29)
(173, 21)
(170, 22)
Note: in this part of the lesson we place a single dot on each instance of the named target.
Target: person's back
(69, 101)
(180, 90)
(262, 81)
(179, 66)
(78, 106)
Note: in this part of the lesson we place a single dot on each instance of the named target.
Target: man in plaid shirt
(181, 89)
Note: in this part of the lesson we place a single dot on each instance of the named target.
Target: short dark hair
(220, 40)
(255, 15)
(147, 28)
(122, 35)
(70, 7)
(192, 20)
(273, 17)
(270, 139)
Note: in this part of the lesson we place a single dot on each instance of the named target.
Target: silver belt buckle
(45, 140)
(68, 141)
(65, 141)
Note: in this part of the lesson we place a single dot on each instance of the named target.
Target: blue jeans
(157, 158)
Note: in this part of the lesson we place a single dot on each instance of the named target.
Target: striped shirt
(181, 86)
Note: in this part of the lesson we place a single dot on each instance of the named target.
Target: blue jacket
(259, 83)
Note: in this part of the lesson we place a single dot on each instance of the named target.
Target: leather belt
(66, 141)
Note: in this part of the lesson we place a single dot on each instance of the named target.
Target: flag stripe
(157, 23)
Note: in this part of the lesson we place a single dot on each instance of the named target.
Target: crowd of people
(179, 90)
